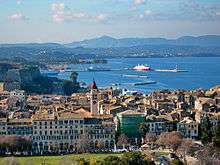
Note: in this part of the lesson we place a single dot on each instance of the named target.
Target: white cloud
(145, 14)
(68, 16)
(102, 17)
(58, 17)
(57, 6)
(18, 16)
(139, 2)
(61, 13)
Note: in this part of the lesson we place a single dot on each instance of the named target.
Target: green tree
(112, 160)
(69, 88)
(216, 138)
(176, 162)
(206, 131)
(134, 158)
(143, 129)
(74, 76)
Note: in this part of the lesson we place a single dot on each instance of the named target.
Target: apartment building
(64, 131)
(188, 127)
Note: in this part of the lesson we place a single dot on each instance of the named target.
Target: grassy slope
(55, 160)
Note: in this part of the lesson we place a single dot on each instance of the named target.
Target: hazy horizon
(64, 21)
(96, 37)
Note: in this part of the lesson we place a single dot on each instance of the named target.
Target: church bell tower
(94, 102)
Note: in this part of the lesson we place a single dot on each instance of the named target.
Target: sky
(66, 21)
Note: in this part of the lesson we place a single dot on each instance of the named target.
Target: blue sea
(203, 72)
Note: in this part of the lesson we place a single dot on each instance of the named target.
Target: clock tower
(94, 102)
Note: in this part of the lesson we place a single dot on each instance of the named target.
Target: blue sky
(71, 20)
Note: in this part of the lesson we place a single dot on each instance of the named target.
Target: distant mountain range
(108, 42)
(106, 46)
(33, 45)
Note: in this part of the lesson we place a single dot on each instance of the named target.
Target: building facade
(69, 131)
(189, 128)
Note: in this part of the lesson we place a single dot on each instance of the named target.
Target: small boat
(68, 69)
(171, 70)
(144, 83)
(143, 76)
(134, 76)
(142, 68)
(97, 69)
(116, 84)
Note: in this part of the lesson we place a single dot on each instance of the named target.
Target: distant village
(110, 119)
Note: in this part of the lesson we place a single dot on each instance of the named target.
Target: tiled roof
(130, 112)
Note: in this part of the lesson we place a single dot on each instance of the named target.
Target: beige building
(65, 131)
(204, 103)
(2, 88)
(188, 128)
(19, 127)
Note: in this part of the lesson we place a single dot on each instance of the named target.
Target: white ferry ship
(142, 68)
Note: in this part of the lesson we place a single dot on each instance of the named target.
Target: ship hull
(147, 69)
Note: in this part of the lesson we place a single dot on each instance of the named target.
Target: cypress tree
(206, 131)
(216, 138)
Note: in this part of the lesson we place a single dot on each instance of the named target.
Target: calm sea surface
(202, 72)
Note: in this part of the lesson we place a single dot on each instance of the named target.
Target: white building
(188, 128)
(19, 94)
